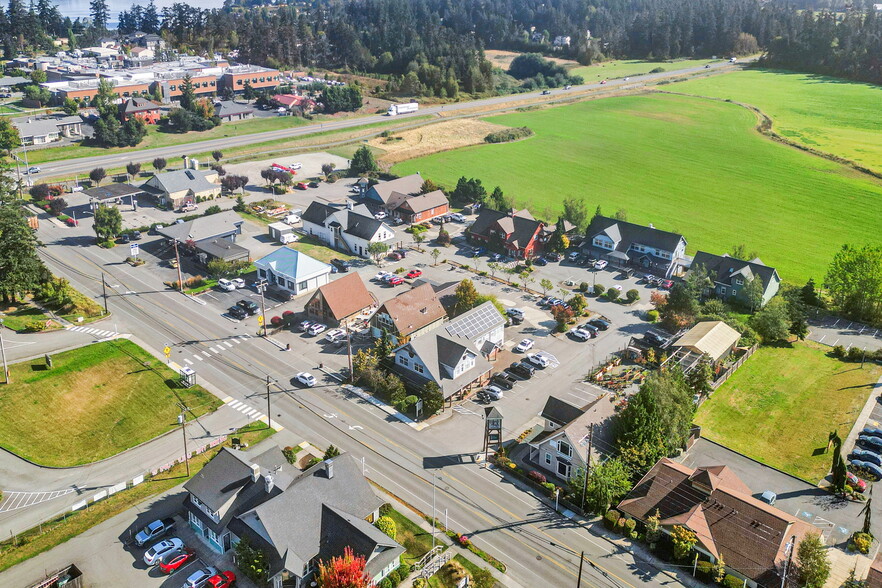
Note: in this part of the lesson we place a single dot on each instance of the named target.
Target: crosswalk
(17, 500)
(251, 413)
(216, 349)
(100, 333)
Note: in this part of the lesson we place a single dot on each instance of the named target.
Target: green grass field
(795, 396)
(94, 402)
(829, 114)
(632, 67)
(685, 164)
(318, 250)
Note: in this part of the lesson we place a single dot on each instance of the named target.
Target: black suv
(521, 369)
(237, 312)
(341, 265)
(503, 380)
(248, 306)
(599, 324)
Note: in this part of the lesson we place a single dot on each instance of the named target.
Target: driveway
(837, 519)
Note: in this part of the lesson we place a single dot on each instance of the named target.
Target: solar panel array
(475, 322)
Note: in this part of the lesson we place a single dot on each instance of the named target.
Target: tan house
(409, 314)
(180, 187)
(715, 339)
(341, 301)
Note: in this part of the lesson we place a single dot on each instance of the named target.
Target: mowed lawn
(685, 164)
(829, 114)
(94, 402)
(780, 406)
(632, 67)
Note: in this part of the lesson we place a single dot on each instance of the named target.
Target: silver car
(200, 577)
(152, 556)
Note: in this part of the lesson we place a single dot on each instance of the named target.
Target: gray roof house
(561, 448)
(183, 186)
(455, 355)
(625, 244)
(296, 518)
(39, 131)
(294, 272)
(731, 275)
(346, 228)
(227, 110)
(389, 195)
(212, 236)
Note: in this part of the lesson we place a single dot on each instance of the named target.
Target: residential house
(140, 108)
(183, 186)
(387, 196)
(293, 103)
(142, 53)
(293, 271)
(628, 245)
(750, 535)
(422, 207)
(561, 448)
(341, 301)
(39, 131)
(514, 233)
(714, 339)
(228, 111)
(223, 249)
(731, 275)
(297, 518)
(454, 356)
(210, 237)
(346, 228)
(408, 315)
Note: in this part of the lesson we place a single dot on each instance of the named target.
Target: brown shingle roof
(424, 202)
(346, 296)
(414, 309)
(750, 534)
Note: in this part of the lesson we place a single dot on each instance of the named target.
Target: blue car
(865, 455)
(870, 442)
(540, 261)
(873, 431)
(871, 468)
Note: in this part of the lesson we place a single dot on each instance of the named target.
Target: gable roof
(576, 430)
(714, 338)
(624, 234)
(560, 412)
(750, 534)
(222, 249)
(362, 226)
(474, 323)
(519, 226)
(414, 309)
(341, 530)
(424, 202)
(137, 104)
(224, 108)
(345, 296)
(317, 212)
(724, 268)
(220, 479)
(407, 185)
(38, 127)
(435, 349)
(293, 264)
(204, 227)
(184, 179)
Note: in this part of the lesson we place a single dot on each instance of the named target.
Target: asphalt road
(540, 546)
(85, 164)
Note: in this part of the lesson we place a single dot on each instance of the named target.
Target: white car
(573, 256)
(154, 553)
(580, 334)
(199, 578)
(226, 285)
(304, 325)
(34, 169)
(380, 215)
(335, 335)
(457, 217)
(494, 392)
(238, 282)
(599, 265)
(524, 345)
(381, 277)
(316, 328)
(616, 287)
(538, 360)
(306, 379)
(296, 165)
(292, 219)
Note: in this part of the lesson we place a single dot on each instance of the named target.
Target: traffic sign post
(167, 352)
(134, 249)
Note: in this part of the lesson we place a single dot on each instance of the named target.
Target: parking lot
(832, 331)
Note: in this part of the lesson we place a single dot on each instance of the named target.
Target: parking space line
(821, 340)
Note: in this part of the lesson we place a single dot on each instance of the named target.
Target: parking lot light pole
(182, 420)
(178, 260)
(3, 352)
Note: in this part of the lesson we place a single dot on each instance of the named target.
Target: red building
(140, 108)
(515, 232)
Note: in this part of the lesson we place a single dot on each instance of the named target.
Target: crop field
(851, 129)
(686, 164)
(632, 67)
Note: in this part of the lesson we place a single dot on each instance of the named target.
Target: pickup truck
(154, 530)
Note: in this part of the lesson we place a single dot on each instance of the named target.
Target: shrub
(855, 354)
(652, 316)
(385, 509)
(394, 577)
(420, 583)
(838, 351)
(290, 453)
(705, 569)
(584, 286)
(860, 542)
(599, 289)
(731, 581)
(463, 540)
(611, 518)
(386, 583)
(277, 189)
(506, 135)
(657, 70)
(387, 526)
(288, 317)
(34, 326)
(550, 488)
(630, 525)
(612, 294)
(632, 295)
(536, 477)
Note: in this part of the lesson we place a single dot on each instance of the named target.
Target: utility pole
(789, 549)
(349, 353)
(182, 420)
(269, 414)
(587, 468)
(104, 288)
(178, 260)
(581, 561)
(261, 286)
(433, 511)
(3, 352)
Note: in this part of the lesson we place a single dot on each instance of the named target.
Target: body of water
(80, 8)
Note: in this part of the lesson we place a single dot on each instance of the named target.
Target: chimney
(255, 472)
(329, 468)
(186, 162)
(268, 483)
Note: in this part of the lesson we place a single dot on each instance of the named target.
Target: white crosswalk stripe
(206, 354)
(18, 500)
(216, 349)
(199, 357)
(187, 361)
(235, 403)
(100, 333)
(227, 344)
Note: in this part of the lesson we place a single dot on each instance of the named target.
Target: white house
(293, 271)
(561, 448)
(346, 228)
(625, 244)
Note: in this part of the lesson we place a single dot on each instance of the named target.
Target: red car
(302, 186)
(667, 284)
(397, 280)
(856, 482)
(414, 273)
(173, 564)
(221, 580)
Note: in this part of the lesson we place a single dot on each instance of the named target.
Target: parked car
(871, 442)
(494, 392)
(521, 369)
(874, 431)
(503, 380)
(163, 547)
(871, 468)
(381, 277)
(304, 325)
(313, 184)
(154, 530)
(600, 264)
(769, 497)
(401, 252)
(222, 580)
(249, 306)
(573, 256)
(340, 264)
(515, 313)
(306, 379)
(396, 281)
(599, 324)
(335, 335)
(524, 345)
(301, 186)
(316, 328)
(124, 238)
(172, 563)
(540, 261)
(553, 256)
(199, 578)
(590, 328)
(855, 482)
(580, 334)
(136, 235)
(226, 285)
(457, 217)
(414, 273)
(538, 360)
(395, 256)
(482, 396)
(865, 455)
(380, 215)
(495, 257)
(237, 312)
(666, 285)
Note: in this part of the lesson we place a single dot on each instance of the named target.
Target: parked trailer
(396, 109)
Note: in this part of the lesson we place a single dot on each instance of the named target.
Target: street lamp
(3, 352)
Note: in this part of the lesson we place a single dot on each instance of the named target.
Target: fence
(731, 370)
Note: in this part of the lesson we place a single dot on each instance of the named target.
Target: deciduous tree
(812, 561)
(107, 222)
(854, 282)
(466, 297)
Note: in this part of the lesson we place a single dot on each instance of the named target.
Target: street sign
(167, 350)
(260, 319)
(135, 250)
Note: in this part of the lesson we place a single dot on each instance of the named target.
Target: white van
(288, 238)
(292, 219)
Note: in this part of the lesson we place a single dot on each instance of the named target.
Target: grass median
(94, 402)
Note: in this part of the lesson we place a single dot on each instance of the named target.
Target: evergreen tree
(20, 265)
(99, 12)
(363, 161)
